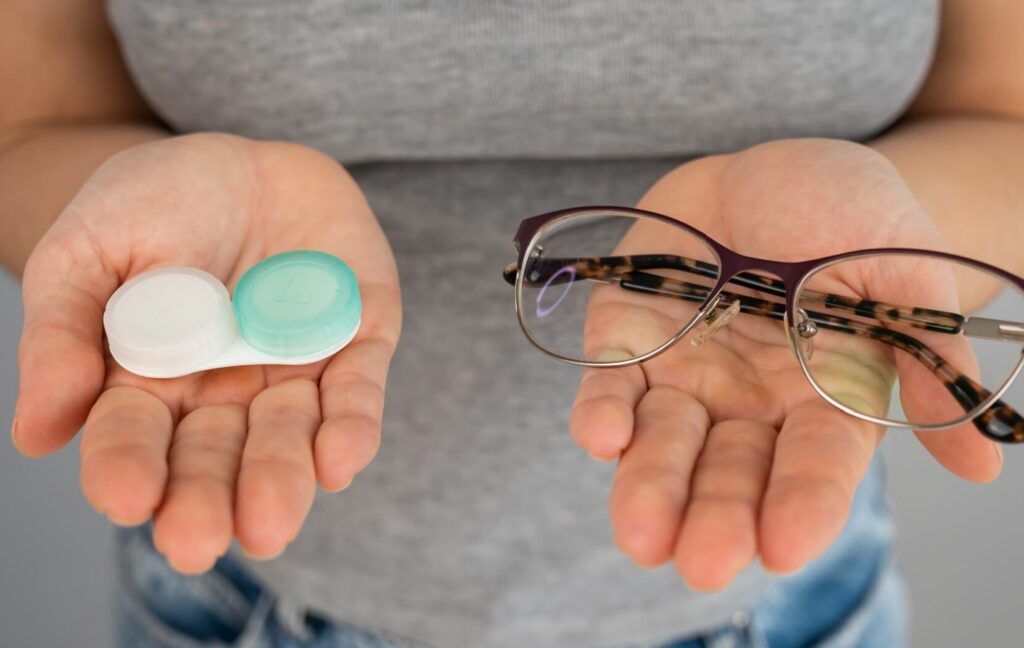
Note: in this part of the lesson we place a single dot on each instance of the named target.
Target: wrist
(43, 167)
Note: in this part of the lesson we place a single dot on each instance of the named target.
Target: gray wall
(55, 553)
(962, 545)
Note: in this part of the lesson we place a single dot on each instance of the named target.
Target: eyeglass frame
(794, 274)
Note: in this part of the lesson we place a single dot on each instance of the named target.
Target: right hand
(222, 453)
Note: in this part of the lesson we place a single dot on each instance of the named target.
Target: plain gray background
(962, 545)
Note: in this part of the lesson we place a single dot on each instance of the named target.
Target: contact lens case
(289, 309)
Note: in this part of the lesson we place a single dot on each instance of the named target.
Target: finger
(930, 398)
(602, 417)
(124, 454)
(821, 455)
(352, 392)
(276, 481)
(932, 395)
(194, 525)
(653, 477)
(719, 532)
(60, 356)
(352, 397)
(964, 452)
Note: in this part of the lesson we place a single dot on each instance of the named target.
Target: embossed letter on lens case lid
(292, 308)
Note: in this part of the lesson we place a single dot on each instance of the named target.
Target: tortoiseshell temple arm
(999, 422)
(611, 267)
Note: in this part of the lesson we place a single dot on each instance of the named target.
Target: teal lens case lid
(292, 308)
(297, 303)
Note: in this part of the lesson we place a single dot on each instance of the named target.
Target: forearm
(68, 104)
(42, 168)
(961, 149)
(968, 173)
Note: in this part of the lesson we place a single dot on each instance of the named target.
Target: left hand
(727, 453)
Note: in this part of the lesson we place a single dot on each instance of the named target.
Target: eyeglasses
(615, 286)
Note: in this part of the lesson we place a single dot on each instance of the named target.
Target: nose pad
(805, 332)
(715, 321)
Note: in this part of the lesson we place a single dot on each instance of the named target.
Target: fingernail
(997, 450)
(603, 459)
(641, 565)
(256, 558)
(122, 522)
(782, 571)
(14, 430)
(342, 487)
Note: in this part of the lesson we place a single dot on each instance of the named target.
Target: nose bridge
(778, 279)
(733, 263)
(771, 283)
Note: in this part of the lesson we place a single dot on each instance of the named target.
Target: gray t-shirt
(480, 523)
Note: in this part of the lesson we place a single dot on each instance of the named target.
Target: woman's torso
(414, 79)
(480, 522)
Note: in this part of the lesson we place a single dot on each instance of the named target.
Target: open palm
(726, 450)
(222, 453)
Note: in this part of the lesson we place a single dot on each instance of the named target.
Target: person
(213, 135)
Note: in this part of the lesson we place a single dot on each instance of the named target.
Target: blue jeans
(851, 597)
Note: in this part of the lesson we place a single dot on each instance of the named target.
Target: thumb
(60, 357)
(937, 385)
